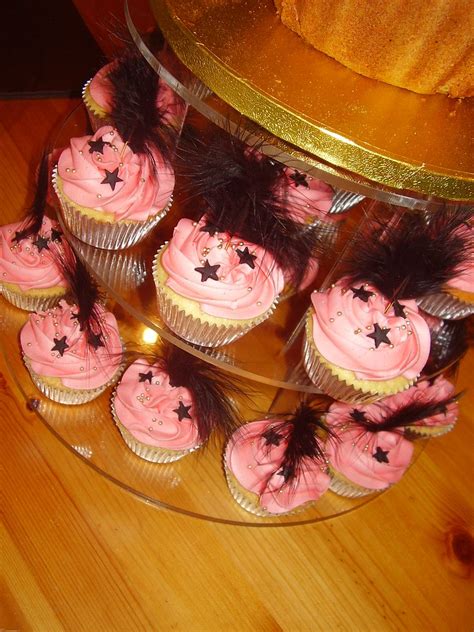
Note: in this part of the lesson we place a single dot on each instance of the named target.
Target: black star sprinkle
(208, 272)
(212, 229)
(379, 335)
(358, 416)
(182, 411)
(143, 377)
(364, 295)
(19, 236)
(299, 179)
(399, 309)
(56, 235)
(111, 178)
(247, 257)
(286, 471)
(381, 455)
(60, 345)
(272, 437)
(95, 341)
(97, 145)
(41, 243)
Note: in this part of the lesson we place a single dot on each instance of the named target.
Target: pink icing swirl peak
(243, 282)
(255, 454)
(153, 411)
(31, 263)
(360, 330)
(101, 172)
(56, 347)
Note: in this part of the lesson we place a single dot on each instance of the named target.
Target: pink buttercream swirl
(256, 466)
(343, 323)
(241, 291)
(148, 408)
(114, 179)
(27, 265)
(427, 392)
(306, 199)
(169, 104)
(373, 460)
(81, 366)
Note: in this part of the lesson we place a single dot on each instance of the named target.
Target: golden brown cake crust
(423, 45)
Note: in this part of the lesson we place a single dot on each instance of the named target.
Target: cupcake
(363, 460)
(31, 277)
(70, 363)
(111, 196)
(360, 346)
(168, 407)
(277, 467)
(131, 73)
(456, 301)
(212, 287)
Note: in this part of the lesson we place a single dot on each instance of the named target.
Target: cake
(111, 196)
(213, 287)
(424, 47)
(70, 364)
(31, 277)
(360, 346)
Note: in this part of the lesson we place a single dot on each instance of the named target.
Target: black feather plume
(237, 188)
(300, 432)
(448, 345)
(412, 257)
(135, 114)
(35, 214)
(84, 292)
(212, 391)
(405, 416)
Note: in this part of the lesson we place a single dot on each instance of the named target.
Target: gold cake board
(390, 136)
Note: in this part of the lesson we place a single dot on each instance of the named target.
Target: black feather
(212, 391)
(139, 122)
(35, 214)
(448, 345)
(237, 188)
(412, 257)
(406, 416)
(84, 292)
(300, 432)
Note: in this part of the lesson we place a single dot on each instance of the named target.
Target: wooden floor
(80, 554)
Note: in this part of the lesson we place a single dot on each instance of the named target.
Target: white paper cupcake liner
(108, 235)
(153, 454)
(425, 432)
(31, 303)
(68, 396)
(446, 306)
(323, 378)
(343, 201)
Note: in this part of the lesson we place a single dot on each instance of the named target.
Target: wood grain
(79, 553)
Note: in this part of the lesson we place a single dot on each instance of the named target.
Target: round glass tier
(269, 353)
(358, 134)
(195, 485)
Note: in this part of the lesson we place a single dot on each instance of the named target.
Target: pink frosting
(81, 366)
(307, 199)
(241, 292)
(167, 101)
(26, 265)
(148, 409)
(353, 454)
(342, 323)
(140, 193)
(425, 392)
(256, 465)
